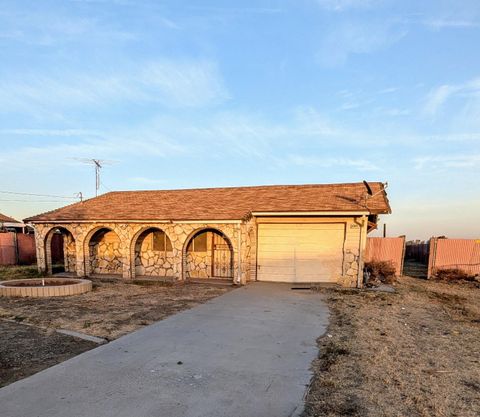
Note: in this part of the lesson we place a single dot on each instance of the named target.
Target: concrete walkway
(244, 354)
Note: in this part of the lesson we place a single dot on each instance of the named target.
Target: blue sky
(224, 93)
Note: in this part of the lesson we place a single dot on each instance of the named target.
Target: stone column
(40, 250)
(80, 257)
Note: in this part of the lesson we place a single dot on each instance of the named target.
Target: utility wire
(104, 186)
(38, 195)
(37, 201)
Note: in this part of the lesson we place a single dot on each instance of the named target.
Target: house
(8, 224)
(287, 233)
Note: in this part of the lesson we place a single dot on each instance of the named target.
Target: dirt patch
(26, 350)
(412, 353)
(113, 308)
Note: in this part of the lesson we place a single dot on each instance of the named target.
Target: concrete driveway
(245, 353)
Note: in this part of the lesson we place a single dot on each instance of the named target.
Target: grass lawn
(114, 307)
(412, 353)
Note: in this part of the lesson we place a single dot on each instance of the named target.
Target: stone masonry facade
(121, 255)
(124, 249)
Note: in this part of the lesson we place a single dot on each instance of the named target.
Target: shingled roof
(233, 203)
(6, 219)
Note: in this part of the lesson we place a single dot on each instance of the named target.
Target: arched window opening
(209, 255)
(105, 255)
(62, 255)
(154, 254)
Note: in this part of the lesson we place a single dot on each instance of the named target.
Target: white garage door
(304, 252)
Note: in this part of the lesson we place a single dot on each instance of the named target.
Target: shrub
(381, 271)
(453, 274)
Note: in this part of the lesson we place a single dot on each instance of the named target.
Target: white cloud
(331, 162)
(438, 96)
(109, 145)
(342, 5)
(49, 132)
(443, 23)
(447, 161)
(46, 27)
(168, 82)
(311, 122)
(353, 38)
(389, 90)
(186, 83)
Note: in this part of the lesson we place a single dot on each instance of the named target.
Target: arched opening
(104, 253)
(153, 254)
(209, 254)
(61, 254)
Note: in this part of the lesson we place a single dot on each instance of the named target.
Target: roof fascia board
(309, 213)
(134, 221)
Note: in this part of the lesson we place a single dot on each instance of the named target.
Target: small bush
(383, 271)
(453, 274)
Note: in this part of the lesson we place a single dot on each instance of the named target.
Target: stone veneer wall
(198, 265)
(150, 262)
(128, 234)
(69, 252)
(179, 233)
(105, 254)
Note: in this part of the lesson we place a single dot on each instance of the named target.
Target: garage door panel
(294, 252)
(276, 263)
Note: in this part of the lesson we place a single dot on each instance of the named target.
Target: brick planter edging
(77, 286)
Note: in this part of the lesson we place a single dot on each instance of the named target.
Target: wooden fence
(17, 249)
(380, 249)
(463, 254)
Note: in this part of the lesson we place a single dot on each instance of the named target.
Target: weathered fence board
(380, 249)
(27, 254)
(17, 248)
(463, 254)
(8, 255)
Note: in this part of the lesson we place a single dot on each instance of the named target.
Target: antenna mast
(98, 165)
(97, 175)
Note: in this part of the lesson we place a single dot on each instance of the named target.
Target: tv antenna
(98, 165)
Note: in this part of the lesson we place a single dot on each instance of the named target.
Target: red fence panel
(380, 249)
(8, 254)
(26, 249)
(463, 254)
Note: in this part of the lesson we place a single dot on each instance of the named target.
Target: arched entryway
(153, 254)
(209, 255)
(104, 255)
(61, 253)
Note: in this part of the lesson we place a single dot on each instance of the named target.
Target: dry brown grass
(413, 353)
(18, 272)
(112, 309)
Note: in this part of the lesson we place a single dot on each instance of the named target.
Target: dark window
(200, 243)
(161, 242)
